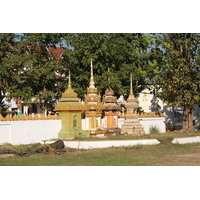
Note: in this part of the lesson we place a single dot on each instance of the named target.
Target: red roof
(55, 52)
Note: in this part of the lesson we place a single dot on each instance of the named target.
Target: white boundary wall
(158, 122)
(29, 131)
(106, 144)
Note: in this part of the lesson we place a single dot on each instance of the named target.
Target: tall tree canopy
(114, 56)
(177, 71)
(7, 71)
(28, 67)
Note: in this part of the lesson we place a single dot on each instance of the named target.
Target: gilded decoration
(93, 113)
(69, 95)
(60, 108)
(110, 101)
(29, 117)
(91, 90)
(95, 98)
(132, 125)
(93, 105)
(70, 109)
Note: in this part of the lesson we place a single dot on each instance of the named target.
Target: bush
(154, 130)
(165, 140)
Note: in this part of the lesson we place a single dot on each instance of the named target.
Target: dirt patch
(6, 155)
(187, 159)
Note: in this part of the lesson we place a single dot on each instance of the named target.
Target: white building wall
(83, 124)
(87, 124)
(145, 101)
(30, 131)
(103, 122)
(158, 122)
(120, 122)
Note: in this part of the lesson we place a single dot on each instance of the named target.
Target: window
(74, 121)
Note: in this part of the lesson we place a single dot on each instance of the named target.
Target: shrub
(154, 130)
(165, 140)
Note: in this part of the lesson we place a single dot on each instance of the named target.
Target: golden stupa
(132, 125)
(111, 109)
(93, 105)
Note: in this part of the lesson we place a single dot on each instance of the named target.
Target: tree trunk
(39, 110)
(190, 124)
(187, 120)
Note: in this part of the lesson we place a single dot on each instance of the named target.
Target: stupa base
(132, 127)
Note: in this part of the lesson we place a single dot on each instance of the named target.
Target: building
(70, 108)
(93, 107)
(132, 124)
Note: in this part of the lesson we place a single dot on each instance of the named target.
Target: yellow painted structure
(70, 108)
(111, 109)
(93, 106)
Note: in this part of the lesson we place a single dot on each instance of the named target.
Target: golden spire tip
(69, 81)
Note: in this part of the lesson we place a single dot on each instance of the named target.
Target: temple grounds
(163, 154)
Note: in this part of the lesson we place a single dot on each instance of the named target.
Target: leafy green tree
(7, 50)
(177, 71)
(114, 56)
(31, 68)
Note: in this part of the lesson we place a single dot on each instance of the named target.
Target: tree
(177, 70)
(7, 49)
(31, 68)
(114, 56)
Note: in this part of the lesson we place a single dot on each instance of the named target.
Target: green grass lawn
(164, 153)
(146, 155)
(174, 134)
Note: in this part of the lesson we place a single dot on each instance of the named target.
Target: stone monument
(132, 125)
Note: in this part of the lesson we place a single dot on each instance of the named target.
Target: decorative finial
(69, 81)
(131, 85)
(109, 76)
(91, 77)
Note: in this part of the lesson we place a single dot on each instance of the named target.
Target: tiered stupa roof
(132, 103)
(132, 125)
(69, 100)
(92, 99)
(110, 101)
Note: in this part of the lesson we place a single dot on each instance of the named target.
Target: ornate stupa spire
(131, 85)
(69, 92)
(91, 76)
(93, 105)
(69, 81)
(132, 125)
(109, 76)
(132, 103)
